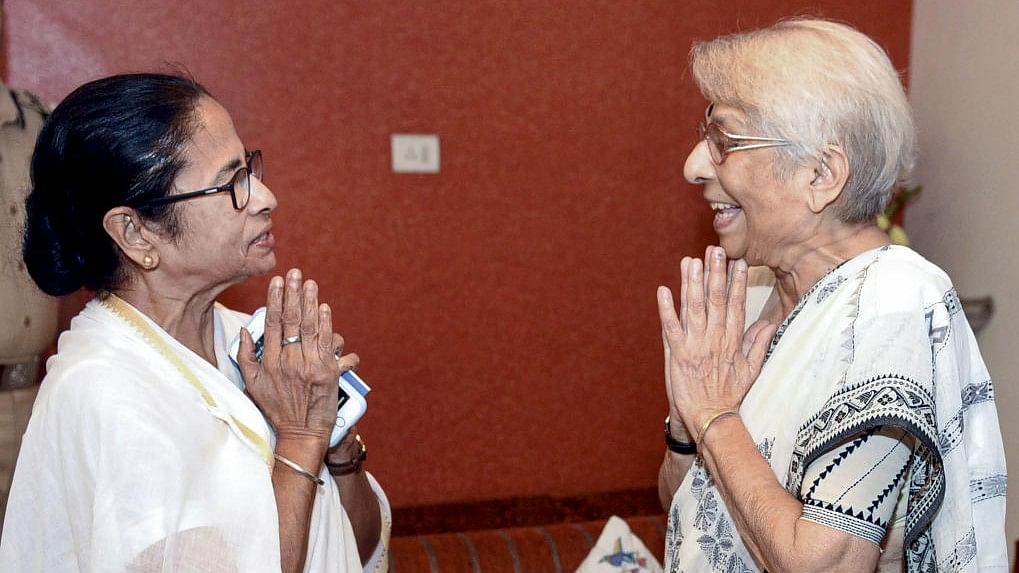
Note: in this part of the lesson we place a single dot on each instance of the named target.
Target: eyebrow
(718, 119)
(229, 169)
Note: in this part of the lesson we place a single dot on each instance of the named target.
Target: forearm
(670, 475)
(767, 516)
(295, 497)
(674, 466)
(362, 507)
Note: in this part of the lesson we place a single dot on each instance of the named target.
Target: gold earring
(148, 262)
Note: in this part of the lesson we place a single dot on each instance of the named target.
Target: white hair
(817, 83)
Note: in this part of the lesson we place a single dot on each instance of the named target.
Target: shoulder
(902, 278)
(100, 367)
(100, 383)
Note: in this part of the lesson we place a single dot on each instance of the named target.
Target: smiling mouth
(725, 213)
(265, 239)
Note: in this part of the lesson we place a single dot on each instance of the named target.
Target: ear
(135, 240)
(831, 172)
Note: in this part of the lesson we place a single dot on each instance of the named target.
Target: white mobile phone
(351, 404)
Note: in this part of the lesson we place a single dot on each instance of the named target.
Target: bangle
(297, 468)
(676, 446)
(711, 420)
(346, 468)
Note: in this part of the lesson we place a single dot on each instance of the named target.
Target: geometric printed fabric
(878, 414)
(858, 486)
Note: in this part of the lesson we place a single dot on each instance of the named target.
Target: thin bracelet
(711, 420)
(294, 466)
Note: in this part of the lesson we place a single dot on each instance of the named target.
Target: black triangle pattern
(848, 449)
(892, 487)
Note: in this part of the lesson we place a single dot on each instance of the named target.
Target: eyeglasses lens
(255, 164)
(241, 188)
(242, 180)
(717, 143)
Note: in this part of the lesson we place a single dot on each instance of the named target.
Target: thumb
(246, 357)
(759, 347)
(751, 334)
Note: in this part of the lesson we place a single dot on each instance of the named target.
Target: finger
(684, 307)
(715, 280)
(736, 309)
(273, 320)
(707, 267)
(246, 358)
(326, 350)
(336, 347)
(695, 296)
(292, 304)
(671, 328)
(751, 334)
(309, 322)
(759, 349)
(667, 353)
(348, 362)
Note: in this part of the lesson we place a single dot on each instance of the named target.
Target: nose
(699, 168)
(262, 198)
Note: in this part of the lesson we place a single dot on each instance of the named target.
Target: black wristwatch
(676, 446)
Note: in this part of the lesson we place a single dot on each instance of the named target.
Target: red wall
(504, 309)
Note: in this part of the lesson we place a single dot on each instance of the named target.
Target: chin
(267, 266)
(261, 266)
(734, 249)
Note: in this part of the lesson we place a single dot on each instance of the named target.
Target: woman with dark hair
(148, 448)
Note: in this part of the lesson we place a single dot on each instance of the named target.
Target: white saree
(881, 341)
(141, 456)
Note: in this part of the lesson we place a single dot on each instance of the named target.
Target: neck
(187, 316)
(798, 269)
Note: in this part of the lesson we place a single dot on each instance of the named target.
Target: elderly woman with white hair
(852, 426)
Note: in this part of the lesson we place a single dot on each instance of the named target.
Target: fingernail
(741, 265)
(719, 253)
(276, 282)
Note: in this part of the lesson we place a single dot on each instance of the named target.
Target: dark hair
(114, 141)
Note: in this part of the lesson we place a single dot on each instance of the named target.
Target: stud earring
(148, 262)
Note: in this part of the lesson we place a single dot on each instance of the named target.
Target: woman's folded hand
(295, 383)
(710, 362)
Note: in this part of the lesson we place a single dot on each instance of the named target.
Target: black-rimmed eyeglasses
(239, 186)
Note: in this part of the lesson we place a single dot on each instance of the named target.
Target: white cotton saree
(879, 341)
(141, 456)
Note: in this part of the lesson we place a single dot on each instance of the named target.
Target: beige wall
(965, 90)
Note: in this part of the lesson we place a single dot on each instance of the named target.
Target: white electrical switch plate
(415, 153)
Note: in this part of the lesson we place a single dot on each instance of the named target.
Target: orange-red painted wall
(504, 309)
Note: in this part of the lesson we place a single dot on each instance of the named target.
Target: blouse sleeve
(855, 486)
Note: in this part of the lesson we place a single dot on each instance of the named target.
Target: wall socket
(415, 153)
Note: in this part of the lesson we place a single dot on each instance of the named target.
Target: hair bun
(50, 257)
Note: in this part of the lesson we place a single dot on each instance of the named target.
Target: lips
(266, 240)
(725, 214)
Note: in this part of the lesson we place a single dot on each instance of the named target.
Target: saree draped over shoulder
(141, 456)
(880, 344)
